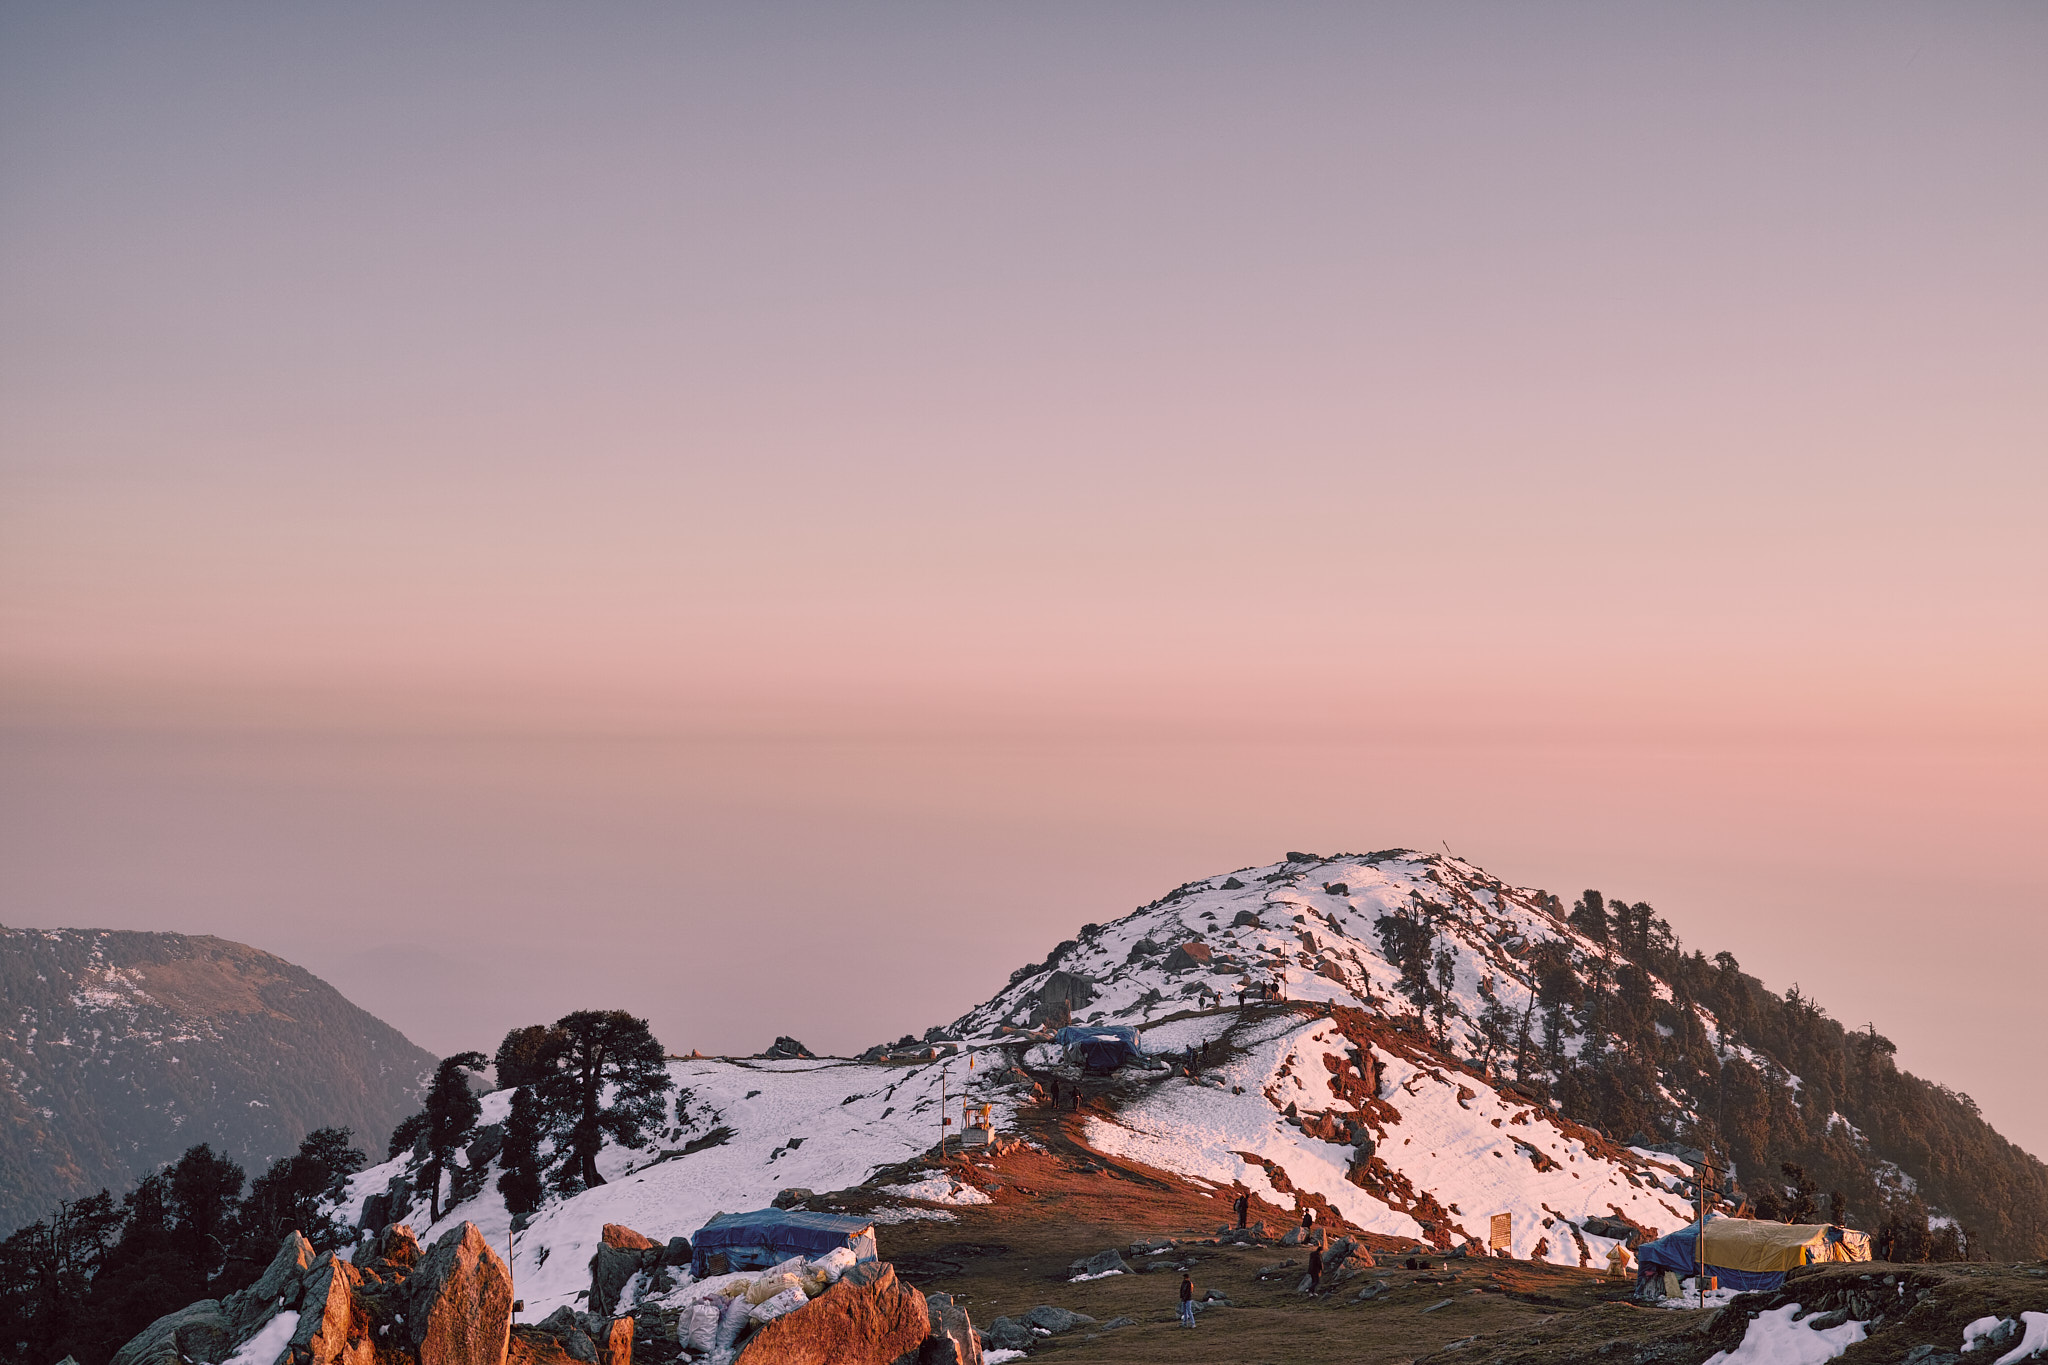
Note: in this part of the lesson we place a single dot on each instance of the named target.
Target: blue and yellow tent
(1747, 1253)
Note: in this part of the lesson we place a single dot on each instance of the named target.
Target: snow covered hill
(1346, 1097)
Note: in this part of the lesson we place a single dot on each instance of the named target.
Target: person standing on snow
(1187, 1300)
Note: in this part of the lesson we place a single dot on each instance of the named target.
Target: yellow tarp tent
(1754, 1244)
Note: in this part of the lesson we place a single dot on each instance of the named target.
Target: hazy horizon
(518, 510)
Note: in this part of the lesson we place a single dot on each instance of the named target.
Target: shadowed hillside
(118, 1051)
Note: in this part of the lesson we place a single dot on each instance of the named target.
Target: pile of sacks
(721, 1311)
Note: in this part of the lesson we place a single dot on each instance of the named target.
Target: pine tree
(452, 1110)
(1803, 1207)
(521, 1181)
(526, 1055)
(1589, 916)
(288, 1197)
(601, 1049)
(203, 1192)
(1442, 1000)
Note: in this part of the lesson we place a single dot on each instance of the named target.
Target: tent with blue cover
(1751, 1253)
(1100, 1047)
(765, 1237)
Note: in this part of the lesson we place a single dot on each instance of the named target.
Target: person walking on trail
(1315, 1268)
(1242, 1208)
(1187, 1300)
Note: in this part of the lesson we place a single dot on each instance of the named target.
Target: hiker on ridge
(1187, 1300)
(1308, 1220)
(1242, 1207)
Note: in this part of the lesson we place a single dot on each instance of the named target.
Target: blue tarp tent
(754, 1241)
(1749, 1253)
(1101, 1047)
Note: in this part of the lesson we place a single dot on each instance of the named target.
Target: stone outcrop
(1047, 1318)
(246, 1310)
(1101, 1263)
(621, 1254)
(390, 1305)
(333, 1330)
(586, 1337)
(868, 1318)
(950, 1338)
(197, 1333)
(459, 1301)
(394, 1250)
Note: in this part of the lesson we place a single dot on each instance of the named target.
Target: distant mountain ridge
(120, 1049)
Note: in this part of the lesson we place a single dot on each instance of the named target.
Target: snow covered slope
(1449, 1151)
(745, 1130)
(1314, 930)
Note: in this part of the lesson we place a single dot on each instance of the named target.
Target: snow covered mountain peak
(1345, 930)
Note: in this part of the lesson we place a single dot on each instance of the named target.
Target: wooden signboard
(1502, 1235)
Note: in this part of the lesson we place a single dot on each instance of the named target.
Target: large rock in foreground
(459, 1302)
(394, 1306)
(332, 1330)
(868, 1318)
(246, 1310)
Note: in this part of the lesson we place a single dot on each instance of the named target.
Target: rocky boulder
(620, 1255)
(459, 1302)
(787, 1050)
(623, 1237)
(394, 1250)
(950, 1339)
(333, 1329)
(1101, 1263)
(1608, 1227)
(1008, 1334)
(585, 1337)
(1047, 1318)
(868, 1318)
(197, 1333)
(277, 1287)
(657, 1335)
(530, 1346)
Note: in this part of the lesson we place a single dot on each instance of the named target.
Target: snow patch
(269, 1342)
(1774, 1339)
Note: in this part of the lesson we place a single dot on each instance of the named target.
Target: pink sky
(458, 469)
